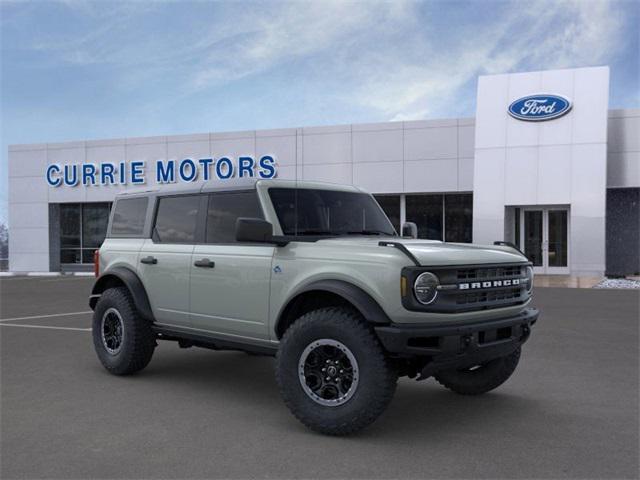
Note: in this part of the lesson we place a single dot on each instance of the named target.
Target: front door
(544, 238)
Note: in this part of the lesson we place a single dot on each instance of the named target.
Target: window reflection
(426, 212)
(391, 206)
(83, 228)
(458, 210)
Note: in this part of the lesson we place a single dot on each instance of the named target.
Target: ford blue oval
(536, 108)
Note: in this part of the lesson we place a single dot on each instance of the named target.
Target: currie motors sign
(164, 171)
(540, 107)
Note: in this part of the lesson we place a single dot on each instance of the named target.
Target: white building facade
(544, 164)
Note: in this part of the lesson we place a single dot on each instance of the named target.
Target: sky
(76, 70)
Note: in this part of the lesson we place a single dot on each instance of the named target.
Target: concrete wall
(556, 162)
(623, 148)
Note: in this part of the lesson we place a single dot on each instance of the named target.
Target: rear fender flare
(126, 276)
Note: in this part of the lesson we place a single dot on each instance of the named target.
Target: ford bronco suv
(315, 275)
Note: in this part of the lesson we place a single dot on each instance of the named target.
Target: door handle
(204, 263)
(149, 260)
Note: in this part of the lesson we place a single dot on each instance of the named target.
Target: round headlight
(529, 274)
(425, 288)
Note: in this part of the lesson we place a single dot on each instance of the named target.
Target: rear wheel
(333, 373)
(124, 342)
(480, 378)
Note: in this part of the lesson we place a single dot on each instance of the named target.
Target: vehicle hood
(433, 252)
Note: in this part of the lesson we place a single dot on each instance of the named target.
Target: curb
(46, 274)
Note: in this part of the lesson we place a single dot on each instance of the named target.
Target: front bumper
(446, 347)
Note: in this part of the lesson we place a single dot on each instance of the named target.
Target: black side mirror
(253, 230)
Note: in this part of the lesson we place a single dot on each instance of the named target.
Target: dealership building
(544, 164)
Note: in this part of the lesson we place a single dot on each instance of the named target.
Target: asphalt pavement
(569, 411)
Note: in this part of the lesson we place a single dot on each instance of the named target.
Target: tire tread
(340, 318)
(139, 338)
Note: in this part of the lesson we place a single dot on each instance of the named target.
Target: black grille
(497, 273)
(489, 297)
(472, 288)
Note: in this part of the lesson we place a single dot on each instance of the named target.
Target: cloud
(535, 35)
(401, 60)
(296, 30)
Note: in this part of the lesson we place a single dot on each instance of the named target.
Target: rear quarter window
(129, 216)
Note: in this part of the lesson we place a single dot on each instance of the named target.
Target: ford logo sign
(536, 108)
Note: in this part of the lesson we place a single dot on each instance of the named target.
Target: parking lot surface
(570, 410)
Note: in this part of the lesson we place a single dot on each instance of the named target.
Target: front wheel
(332, 372)
(124, 342)
(481, 378)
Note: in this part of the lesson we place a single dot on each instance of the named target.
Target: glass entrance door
(544, 234)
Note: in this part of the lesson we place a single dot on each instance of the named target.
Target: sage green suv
(315, 275)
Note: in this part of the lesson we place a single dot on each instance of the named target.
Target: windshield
(328, 212)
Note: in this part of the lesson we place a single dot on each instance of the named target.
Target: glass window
(558, 247)
(391, 206)
(328, 212)
(223, 211)
(70, 255)
(83, 228)
(426, 212)
(533, 236)
(69, 225)
(176, 219)
(517, 229)
(458, 217)
(129, 216)
(95, 218)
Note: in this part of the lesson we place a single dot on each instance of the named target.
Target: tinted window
(224, 209)
(82, 230)
(458, 217)
(391, 206)
(328, 212)
(129, 216)
(95, 217)
(176, 219)
(426, 212)
(70, 225)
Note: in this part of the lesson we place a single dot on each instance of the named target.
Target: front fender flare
(356, 296)
(131, 280)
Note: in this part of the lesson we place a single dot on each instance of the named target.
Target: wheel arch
(324, 293)
(123, 277)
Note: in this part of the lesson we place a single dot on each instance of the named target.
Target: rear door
(230, 280)
(165, 259)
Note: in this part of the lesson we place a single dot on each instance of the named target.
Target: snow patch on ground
(618, 283)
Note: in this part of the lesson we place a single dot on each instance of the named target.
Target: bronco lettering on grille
(489, 284)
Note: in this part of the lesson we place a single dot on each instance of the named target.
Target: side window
(129, 216)
(224, 209)
(176, 219)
